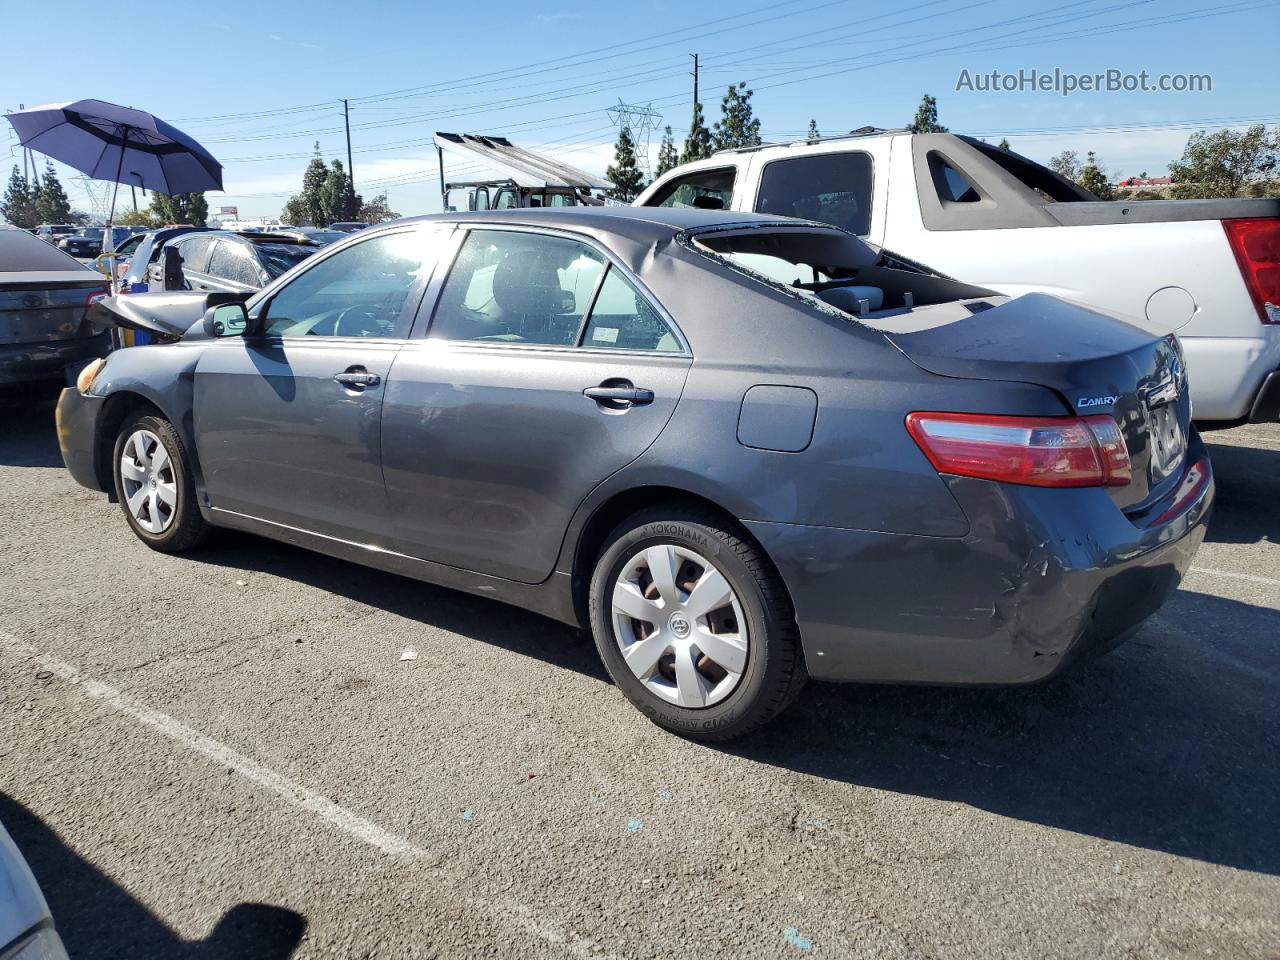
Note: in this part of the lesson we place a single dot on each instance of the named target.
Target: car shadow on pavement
(28, 437)
(1247, 509)
(98, 919)
(476, 618)
(1167, 743)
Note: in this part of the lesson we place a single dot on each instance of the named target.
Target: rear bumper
(1226, 374)
(77, 422)
(1043, 577)
(33, 362)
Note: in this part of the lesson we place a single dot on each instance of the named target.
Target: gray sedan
(741, 449)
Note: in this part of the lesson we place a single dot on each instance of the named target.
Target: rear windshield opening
(834, 268)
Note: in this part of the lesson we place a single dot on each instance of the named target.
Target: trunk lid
(47, 306)
(1096, 363)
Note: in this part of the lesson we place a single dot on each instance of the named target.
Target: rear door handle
(357, 378)
(638, 396)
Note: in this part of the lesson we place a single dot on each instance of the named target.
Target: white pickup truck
(1207, 269)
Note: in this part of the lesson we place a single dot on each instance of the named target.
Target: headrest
(526, 283)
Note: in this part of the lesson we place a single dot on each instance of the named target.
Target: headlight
(45, 945)
(90, 373)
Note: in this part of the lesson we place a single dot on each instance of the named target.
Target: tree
(1221, 164)
(624, 173)
(52, 205)
(137, 218)
(1004, 143)
(737, 126)
(312, 198)
(19, 204)
(697, 145)
(189, 208)
(667, 156)
(1094, 180)
(338, 196)
(1066, 164)
(813, 136)
(926, 120)
(294, 213)
(377, 210)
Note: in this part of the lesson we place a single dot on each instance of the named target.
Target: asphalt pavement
(227, 755)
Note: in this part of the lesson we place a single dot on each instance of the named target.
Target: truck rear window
(832, 188)
(704, 190)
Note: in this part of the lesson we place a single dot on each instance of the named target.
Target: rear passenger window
(231, 261)
(832, 188)
(511, 287)
(195, 253)
(704, 190)
(622, 319)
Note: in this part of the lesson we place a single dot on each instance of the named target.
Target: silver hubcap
(150, 490)
(680, 626)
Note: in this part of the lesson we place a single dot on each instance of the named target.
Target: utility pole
(351, 167)
(695, 79)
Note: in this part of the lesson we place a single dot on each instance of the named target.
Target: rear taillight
(1034, 451)
(1256, 244)
(93, 296)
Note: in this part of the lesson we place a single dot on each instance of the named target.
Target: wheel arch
(605, 516)
(119, 406)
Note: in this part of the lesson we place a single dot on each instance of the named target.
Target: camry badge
(1095, 402)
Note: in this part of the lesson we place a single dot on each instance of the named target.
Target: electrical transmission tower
(641, 120)
(99, 194)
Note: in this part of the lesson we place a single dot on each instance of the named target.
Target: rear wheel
(694, 625)
(155, 486)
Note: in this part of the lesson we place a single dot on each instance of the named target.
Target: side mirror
(226, 320)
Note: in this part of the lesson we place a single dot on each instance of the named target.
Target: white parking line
(1230, 575)
(508, 912)
(289, 790)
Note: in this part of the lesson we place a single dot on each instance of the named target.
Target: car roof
(633, 222)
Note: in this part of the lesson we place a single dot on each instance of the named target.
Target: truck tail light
(1256, 244)
(1033, 451)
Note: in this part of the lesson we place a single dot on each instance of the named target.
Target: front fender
(162, 375)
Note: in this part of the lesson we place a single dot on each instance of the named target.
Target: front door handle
(357, 378)
(636, 396)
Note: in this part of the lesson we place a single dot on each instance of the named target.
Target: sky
(259, 83)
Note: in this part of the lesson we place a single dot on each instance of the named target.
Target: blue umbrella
(106, 141)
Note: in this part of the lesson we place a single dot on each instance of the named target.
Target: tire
(709, 694)
(160, 471)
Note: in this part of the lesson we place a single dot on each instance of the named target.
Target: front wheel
(155, 486)
(694, 625)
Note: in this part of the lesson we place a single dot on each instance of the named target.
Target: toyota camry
(742, 450)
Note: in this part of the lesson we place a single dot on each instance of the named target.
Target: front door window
(360, 291)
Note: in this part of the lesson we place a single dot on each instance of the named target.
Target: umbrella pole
(109, 245)
(108, 237)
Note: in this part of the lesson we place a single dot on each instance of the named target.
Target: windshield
(94, 233)
(278, 257)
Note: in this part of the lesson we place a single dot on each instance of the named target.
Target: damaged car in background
(740, 449)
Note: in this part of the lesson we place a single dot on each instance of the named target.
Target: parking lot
(225, 755)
